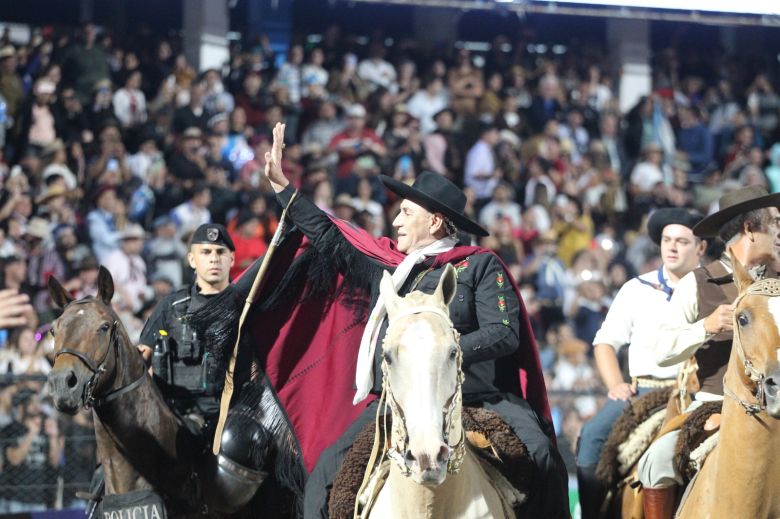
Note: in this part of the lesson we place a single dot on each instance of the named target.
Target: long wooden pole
(227, 390)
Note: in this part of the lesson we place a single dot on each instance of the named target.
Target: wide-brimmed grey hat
(733, 204)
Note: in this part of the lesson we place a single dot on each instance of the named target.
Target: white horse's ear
(388, 294)
(448, 284)
(742, 277)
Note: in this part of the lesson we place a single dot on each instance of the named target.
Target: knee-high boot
(658, 503)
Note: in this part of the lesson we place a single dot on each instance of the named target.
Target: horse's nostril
(444, 454)
(770, 387)
(71, 380)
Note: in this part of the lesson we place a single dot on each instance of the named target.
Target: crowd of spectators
(113, 154)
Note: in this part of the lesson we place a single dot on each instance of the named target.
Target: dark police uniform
(185, 387)
(485, 311)
(190, 384)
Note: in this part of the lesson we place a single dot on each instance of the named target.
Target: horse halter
(767, 287)
(450, 417)
(97, 369)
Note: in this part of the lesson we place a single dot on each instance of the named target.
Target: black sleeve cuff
(285, 195)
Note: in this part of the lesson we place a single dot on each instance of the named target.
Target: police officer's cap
(212, 234)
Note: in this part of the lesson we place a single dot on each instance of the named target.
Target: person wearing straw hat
(635, 325)
(698, 320)
(487, 311)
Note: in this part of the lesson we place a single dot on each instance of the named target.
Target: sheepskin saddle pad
(631, 435)
(487, 434)
(697, 439)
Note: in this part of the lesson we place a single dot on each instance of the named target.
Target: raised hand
(14, 308)
(273, 160)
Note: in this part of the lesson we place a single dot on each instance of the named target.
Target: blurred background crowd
(113, 152)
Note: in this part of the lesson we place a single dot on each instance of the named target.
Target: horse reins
(768, 287)
(97, 369)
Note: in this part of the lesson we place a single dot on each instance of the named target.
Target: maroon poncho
(309, 349)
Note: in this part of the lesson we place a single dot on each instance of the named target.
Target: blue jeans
(596, 430)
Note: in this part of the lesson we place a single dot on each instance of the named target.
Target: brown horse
(741, 476)
(140, 442)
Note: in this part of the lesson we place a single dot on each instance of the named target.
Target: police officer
(169, 340)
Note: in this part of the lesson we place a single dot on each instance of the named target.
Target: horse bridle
(768, 287)
(450, 418)
(97, 369)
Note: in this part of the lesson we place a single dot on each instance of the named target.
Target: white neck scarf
(364, 374)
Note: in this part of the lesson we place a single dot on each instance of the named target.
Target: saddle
(631, 435)
(698, 436)
(488, 435)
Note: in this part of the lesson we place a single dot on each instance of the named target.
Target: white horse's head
(422, 370)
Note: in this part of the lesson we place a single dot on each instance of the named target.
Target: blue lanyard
(662, 283)
(662, 286)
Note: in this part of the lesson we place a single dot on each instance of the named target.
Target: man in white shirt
(426, 103)
(501, 206)
(480, 173)
(128, 269)
(698, 321)
(633, 320)
(130, 102)
(192, 214)
(378, 72)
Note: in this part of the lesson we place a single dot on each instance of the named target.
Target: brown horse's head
(84, 341)
(757, 338)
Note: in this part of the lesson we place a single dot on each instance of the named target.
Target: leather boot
(592, 492)
(658, 503)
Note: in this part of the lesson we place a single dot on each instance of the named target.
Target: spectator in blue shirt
(696, 141)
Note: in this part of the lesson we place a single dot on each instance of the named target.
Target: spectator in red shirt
(355, 140)
(253, 99)
(249, 246)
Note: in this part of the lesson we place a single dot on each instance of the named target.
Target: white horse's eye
(453, 353)
(388, 357)
(742, 319)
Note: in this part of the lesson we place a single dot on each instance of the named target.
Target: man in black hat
(487, 311)
(633, 320)
(698, 321)
(168, 338)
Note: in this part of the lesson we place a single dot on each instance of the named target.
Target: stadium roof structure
(708, 12)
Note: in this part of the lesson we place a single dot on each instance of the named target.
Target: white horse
(433, 473)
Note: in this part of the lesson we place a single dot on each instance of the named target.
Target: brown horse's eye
(742, 319)
(104, 327)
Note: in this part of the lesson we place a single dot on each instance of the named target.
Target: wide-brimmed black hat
(733, 204)
(668, 216)
(437, 194)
